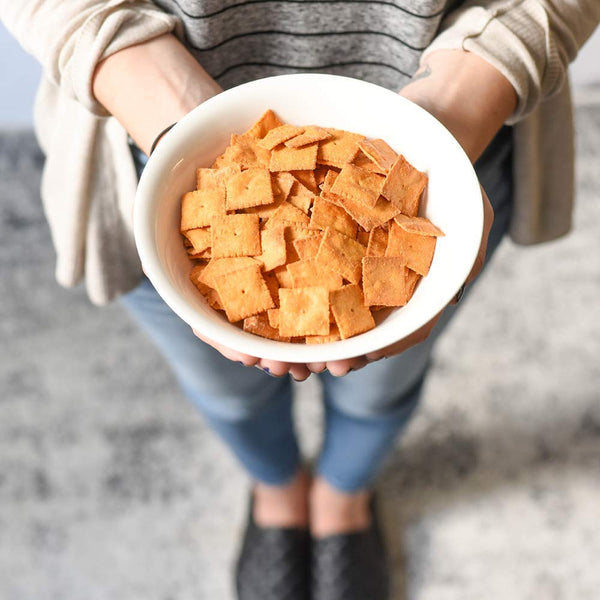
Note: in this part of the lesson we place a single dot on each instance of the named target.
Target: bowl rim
(162, 161)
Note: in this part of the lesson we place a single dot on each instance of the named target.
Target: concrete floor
(112, 487)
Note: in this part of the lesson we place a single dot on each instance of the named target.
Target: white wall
(19, 74)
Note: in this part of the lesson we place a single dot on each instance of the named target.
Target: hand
(472, 99)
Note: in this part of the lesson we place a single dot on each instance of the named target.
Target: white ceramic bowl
(452, 200)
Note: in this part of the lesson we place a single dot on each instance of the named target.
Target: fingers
(339, 368)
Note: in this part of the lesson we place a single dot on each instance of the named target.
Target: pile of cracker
(301, 233)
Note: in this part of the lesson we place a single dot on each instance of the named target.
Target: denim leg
(248, 409)
(367, 409)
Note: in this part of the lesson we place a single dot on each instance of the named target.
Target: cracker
(416, 250)
(222, 266)
(334, 336)
(243, 293)
(278, 135)
(268, 120)
(320, 173)
(308, 247)
(379, 152)
(199, 207)
(404, 185)
(235, 235)
(245, 152)
(214, 178)
(273, 285)
(293, 233)
(311, 134)
(249, 188)
(329, 180)
(364, 162)
(351, 315)
(284, 279)
(418, 225)
(273, 317)
(362, 236)
(385, 281)
(367, 217)
(282, 183)
(304, 311)
(378, 239)
(286, 213)
(199, 238)
(210, 294)
(325, 214)
(294, 159)
(358, 184)
(306, 273)
(341, 254)
(259, 325)
(301, 202)
(307, 180)
(339, 149)
(272, 242)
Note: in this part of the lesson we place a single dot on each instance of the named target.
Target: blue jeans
(364, 410)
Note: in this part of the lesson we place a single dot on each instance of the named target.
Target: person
(118, 72)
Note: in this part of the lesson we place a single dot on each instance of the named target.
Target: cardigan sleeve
(531, 42)
(70, 37)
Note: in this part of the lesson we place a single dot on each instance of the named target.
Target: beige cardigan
(89, 181)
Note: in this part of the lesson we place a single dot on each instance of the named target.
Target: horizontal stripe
(310, 68)
(239, 4)
(303, 34)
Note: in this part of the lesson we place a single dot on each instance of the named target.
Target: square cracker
(249, 188)
(272, 242)
(245, 152)
(306, 180)
(200, 206)
(199, 238)
(325, 214)
(308, 247)
(379, 152)
(294, 159)
(418, 225)
(278, 135)
(214, 178)
(378, 239)
(307, 273)
(235, 235)
(404, 185)
(304, 311)
(385, 281)
(311, 134)
(286, 213)
(334, 336)
(268, 120)
(339, 149)
(416, 250)
(341, 254)
(260, 325)
(366, 216)
(211, 295)
(243, 293)
(358, 184)
(364, 162)
(222, 266)
(351, 315)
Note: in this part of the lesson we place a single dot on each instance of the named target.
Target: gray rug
(112, 487)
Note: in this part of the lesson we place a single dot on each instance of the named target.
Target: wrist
(150, 86)
(470, 97)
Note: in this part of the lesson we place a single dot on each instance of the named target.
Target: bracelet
(159, 136)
